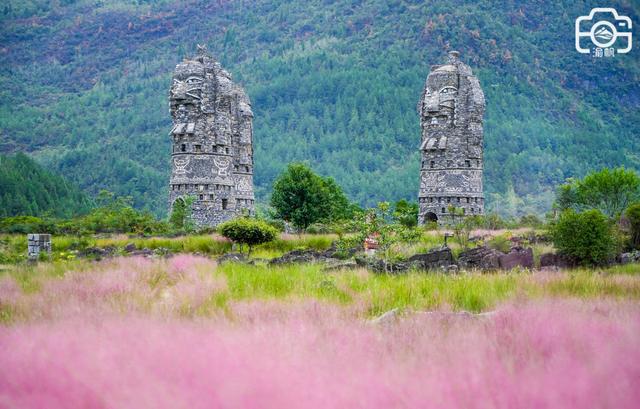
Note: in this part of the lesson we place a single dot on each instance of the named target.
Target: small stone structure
(451, 114)
(212, 135)
(36, 244)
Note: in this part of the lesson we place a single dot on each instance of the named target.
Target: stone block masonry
(212, 135)
(451, 112)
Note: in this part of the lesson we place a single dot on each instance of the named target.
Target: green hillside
(84, 88)
(28, 189)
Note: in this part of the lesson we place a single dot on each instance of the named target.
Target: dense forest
(84, 87)
(27, 188)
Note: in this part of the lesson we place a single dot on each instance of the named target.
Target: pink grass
(552, 354)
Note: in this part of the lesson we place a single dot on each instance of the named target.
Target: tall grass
(190, 285)
(309, 355)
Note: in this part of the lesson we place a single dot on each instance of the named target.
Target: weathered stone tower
(451, 110)
(212, 156)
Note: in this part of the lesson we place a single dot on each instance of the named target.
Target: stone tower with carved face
(451, 113)
(212, 155)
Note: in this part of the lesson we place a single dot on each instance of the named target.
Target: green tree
(180, 218)
(378, 222)
(633, 214)
(586, 237)
(302, 197)
(406, 213)
(248, 231)
(610, 191)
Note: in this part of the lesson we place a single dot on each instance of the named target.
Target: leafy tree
(610, 191)
(586, 237)
(303, 198)
(180, 217)
(633, 214)
(378, 222)
(406, 213)
(248, 231)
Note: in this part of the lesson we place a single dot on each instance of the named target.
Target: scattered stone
(481, 257)
(97, 253)
(631, 257)
(145, 252)
(517, 257)
(386, 318)
(452, 269)
(331, 255)
(130, 247)
(555, 260)
(233, 258)
(432, 260)
(339, 265)
(297, 256)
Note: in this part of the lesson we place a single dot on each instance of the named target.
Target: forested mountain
(28, 189)
(84, 87)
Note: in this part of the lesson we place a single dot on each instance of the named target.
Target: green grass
(419, 291)
(358, 291)
(264, 282)
(13, 248)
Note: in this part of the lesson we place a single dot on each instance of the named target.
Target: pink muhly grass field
(547, 354)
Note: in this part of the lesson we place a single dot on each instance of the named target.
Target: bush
(531, 220)
(633, 215)
(318, 228)
(248, 231)
(25, 225)
(586, 237)
(500, 243)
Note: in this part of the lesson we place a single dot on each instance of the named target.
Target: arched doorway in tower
(430, 217)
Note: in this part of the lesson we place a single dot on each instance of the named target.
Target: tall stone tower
(212, 155)
(451, 110)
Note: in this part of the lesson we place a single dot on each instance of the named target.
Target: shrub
(318, 228)
(586, 237)
(633, 215)
(500, 243)
(248, 231)
(24, 225)
(531, 220)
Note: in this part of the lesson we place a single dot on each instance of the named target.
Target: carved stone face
(187, 90)
(440, 96)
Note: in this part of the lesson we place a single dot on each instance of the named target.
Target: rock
(336, 265)
(432, 260)
(145, 252)
(452, 269)
(555, 260)
(233, 258)
(481, 257)
(386, 318)
(631, 257)
(130, 247)
(517, 257)
(97, 252)
(297, 256)
(386, 267)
